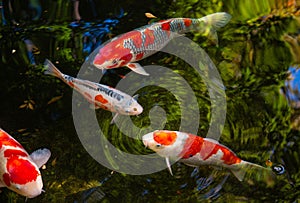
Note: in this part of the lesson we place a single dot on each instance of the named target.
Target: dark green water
(253, 58)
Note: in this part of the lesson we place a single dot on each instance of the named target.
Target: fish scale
(177, 25)
(142, 42)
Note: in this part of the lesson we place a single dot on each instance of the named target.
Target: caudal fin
(216, 20)
(253, 171)
(50, 69)
(213, 22)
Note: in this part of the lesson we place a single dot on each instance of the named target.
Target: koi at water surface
(140, 43)
(196, 151)
(19, 171)
(101, 96)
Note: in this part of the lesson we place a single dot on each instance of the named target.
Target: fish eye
(135, 109)
(18, 187)
(158, 145)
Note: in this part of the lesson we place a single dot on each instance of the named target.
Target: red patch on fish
(150, 37)
(195, 144)
(131, 65)
(20, 171)
(187, 22)
(229, 157)
(115, 50)
(210, 148)
(101, 99)
(5, 139)
(137, 39)
(101, 106)
(127, 56)
(192, 146)
(139, 56)
(6, 179)
(165, 137)
(71, 84)
(166, 26)
(14, 152)
(98, 59)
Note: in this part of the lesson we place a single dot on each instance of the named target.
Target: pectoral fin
(137, 68)
(239, 174)
(93, 106)
(114, 118)
(40, 156)
(169, 165)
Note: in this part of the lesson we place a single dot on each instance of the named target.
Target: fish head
(30, 189)
(165, 143)
(23, 177)
(133, 107)
(112, 56)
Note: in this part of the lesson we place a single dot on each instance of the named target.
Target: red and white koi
(101, 96)
(19, 172)
(196, 151)
(140, 43)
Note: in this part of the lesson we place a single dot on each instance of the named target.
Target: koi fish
(101, 96)
(140, 43)
(195, 151)
(19, 171)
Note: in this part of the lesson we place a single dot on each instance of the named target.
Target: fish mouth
(33, 195)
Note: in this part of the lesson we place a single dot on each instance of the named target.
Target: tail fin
(50, 69)
(214, 22)
(254, 171)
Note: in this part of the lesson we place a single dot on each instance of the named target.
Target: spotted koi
(197, 151)
(140, 43)
(19, 171)
(100, 96)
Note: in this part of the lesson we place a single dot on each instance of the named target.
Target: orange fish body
(196, 151)
(140, 43)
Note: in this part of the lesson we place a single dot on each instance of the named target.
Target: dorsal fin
(114, 118)
(135, 97)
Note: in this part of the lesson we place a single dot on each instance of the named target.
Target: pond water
(257, 58)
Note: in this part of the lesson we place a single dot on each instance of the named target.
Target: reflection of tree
(291, 88)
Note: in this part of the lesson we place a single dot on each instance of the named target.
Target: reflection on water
(255, 52)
